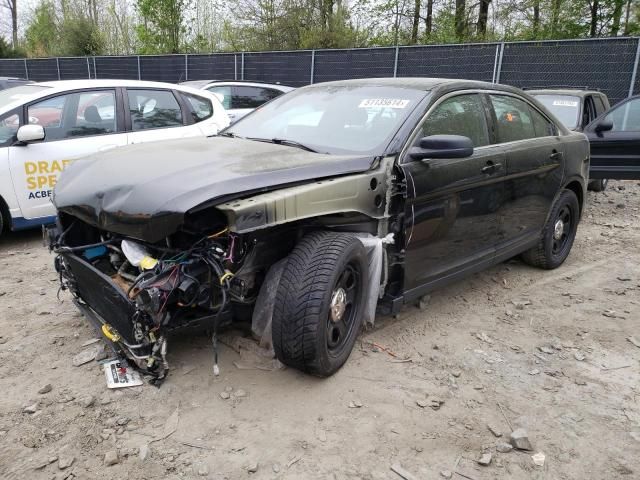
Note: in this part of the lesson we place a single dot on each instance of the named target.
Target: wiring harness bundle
(168, 288)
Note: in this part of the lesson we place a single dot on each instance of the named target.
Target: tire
(598, 185)
(2, 219)
(555, 244)
(324, 269)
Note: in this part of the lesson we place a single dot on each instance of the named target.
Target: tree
(616, 17)
(416, 22)
(163, 28)
(6, 51)
(12, 5)
(595, 11)
(461, 25)
(80, 36)
(42, 32)
(483, 15)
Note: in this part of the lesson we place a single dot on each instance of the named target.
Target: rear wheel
(319, 303)
(558, 234)
(598, 185)
(3, 223)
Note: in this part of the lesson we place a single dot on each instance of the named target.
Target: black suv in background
(575, 108)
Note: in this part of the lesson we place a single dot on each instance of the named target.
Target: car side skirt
(20, 223)
(466, 270)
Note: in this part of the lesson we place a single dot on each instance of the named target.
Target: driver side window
(460, 115)
(626, 117)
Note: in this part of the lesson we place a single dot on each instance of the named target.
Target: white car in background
(240, 97)
(46, 126)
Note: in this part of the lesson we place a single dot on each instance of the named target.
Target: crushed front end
(138, 292)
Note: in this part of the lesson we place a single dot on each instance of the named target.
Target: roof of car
(204, 83)
(422, 83)
(576, 92)
(66, 85)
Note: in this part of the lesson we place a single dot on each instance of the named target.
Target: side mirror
(442, 146)
(30, 133)
(604, 125)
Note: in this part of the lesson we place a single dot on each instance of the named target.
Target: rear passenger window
(542, 126)
(252, 97)
(513, 118)
(459, 115)
(75, 115)
(200, 108)
(153, 109)
(224, 93)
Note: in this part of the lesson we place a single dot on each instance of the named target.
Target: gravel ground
(548, 351)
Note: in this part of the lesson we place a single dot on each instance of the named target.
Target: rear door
(533, 172)
(453, 203)
(616, 153)
(76, 124)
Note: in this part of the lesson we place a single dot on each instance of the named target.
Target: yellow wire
(227, 275)
(219, 233)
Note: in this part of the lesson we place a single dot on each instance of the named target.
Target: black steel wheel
(319, 303)
(558, 234)
(344, 309)
(561, 230)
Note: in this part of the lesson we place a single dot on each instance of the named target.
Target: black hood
(144, 190)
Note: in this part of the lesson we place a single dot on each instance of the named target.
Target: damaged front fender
(364, 193)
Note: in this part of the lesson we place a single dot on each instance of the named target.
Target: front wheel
(320, 301)
(598, 185)
(558, 234)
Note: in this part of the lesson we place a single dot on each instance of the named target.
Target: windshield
(10, 95)
(336, 119)
(565, 107)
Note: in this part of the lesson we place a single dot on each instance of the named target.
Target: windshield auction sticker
(384, 102)
(565, 103)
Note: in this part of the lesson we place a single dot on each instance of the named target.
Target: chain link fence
(609, 64)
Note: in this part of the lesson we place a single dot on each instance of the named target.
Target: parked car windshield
(340, 119)
(12, 94)
(565, 107)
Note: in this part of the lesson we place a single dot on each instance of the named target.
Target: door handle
(491, 167)
(555, 156)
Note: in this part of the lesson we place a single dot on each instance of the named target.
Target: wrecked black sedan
(320, 208)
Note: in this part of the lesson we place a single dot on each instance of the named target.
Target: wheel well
(576, 188)
(6, 216)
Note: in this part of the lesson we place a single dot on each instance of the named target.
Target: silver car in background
(239, 97)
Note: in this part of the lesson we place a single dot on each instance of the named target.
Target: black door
(615, 153)
(533, 171)
(452, 204)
